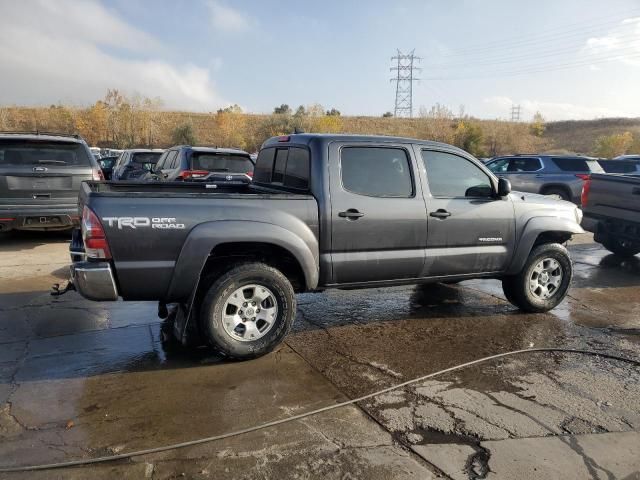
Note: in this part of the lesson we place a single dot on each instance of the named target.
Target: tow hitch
(56, 291)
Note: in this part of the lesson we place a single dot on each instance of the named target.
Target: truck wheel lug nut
(257, 310)
(253, 304)
(244, 304)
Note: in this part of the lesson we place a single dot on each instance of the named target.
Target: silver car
(546, 174)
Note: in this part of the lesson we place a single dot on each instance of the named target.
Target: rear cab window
(20, 152)
(283, 166)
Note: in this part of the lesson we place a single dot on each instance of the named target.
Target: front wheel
(248, 311)
(544, 280)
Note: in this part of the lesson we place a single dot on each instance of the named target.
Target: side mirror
(504, 187)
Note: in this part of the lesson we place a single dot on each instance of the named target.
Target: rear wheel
(248, 311)
(544, 280)
(620, 247)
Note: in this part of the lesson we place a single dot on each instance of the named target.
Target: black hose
(273, 423)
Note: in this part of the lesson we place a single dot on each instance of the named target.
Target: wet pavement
(80, 379)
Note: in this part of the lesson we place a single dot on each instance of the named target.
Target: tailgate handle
(41, 195)
(636, 190)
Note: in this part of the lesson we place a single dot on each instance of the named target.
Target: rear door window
(376, 171)
(288, 166)
(524, 164)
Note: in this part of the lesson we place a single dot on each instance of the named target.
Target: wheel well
(552, 237)
(226, 255)
(564, 188)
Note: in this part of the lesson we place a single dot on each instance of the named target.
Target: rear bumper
(39, 217)
(606, 227)
(94, 280)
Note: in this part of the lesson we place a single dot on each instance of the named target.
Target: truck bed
(614, 196)
(147, 225)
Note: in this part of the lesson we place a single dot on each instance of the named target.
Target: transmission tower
(404, 68)
(515, 113)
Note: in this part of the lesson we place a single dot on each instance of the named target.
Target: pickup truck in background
(611, 207)
(323, 211)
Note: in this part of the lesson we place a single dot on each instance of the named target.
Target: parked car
(323, 211)
(611, 206)
(135, 164)
(628, 157)
(40, 176)
(546, 174)
(621, 165)
(205, 164)
(106, 165)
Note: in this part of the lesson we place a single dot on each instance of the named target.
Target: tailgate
(616, 196)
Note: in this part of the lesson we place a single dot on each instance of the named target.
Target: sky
(569, 59)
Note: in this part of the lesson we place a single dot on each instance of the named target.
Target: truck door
(378, 217)
(470, 229)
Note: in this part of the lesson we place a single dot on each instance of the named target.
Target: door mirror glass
(504, 187)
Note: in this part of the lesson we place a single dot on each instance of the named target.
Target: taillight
(95, 241)
(250, 174)
(186, 174)
(97, 175)
(583, 176)
(586, 187)
(284, 138)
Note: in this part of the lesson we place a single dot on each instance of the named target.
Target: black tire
(220, 291)
(516, 287)
(621, 248)
(563, 194)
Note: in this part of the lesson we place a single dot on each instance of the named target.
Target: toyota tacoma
(323, 211)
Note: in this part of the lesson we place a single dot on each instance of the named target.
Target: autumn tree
(183, 134)
(613, 145)
(283, 109)
(538, 125)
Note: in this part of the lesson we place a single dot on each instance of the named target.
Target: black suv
(40, 177)
(205, 164)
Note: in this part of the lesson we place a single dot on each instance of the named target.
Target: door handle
(440, 213)
(351, 214)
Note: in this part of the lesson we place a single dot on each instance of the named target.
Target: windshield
(221, 162)
(20, 152)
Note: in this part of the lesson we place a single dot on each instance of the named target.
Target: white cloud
(68, 51)
(498, 106)
(227, 19)
(621, 43)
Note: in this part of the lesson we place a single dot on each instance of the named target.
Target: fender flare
(206, 236)
(532, 229)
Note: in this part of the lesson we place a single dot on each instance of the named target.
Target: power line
(565, 30)
(540, 68)
(404, 79)
(531, 56)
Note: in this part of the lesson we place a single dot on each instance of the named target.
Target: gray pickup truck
(323, 211)
(611, 206)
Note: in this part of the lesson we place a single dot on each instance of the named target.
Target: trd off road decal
(162, 223)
